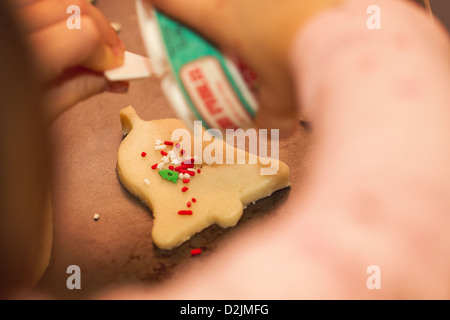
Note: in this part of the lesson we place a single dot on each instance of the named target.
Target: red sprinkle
(163, 153)
(196, 252)
(186, 180)
(191, 173)
(190, 161)
(199, 171)
(182, 152)
(185, 213)
(171, 168)
(168, 143)
(155, 166)
(189, 204)
(143, 154)
(185, 189)
(184, 166)
(194, 200)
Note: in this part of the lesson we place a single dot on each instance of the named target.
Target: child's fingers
(71, 88)
(74, 86)
(47, 13)
(58, 49)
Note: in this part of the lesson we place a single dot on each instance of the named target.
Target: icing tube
(200, 82)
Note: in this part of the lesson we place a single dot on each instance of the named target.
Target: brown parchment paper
(117, 249)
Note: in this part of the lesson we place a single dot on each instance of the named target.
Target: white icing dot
(176, 162)
(158, 142)
(191, 169)
(181, 176)
(160, 165)
(147, 182)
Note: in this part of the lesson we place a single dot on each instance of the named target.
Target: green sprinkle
(169, 175)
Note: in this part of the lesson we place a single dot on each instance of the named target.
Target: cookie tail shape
(128, 118)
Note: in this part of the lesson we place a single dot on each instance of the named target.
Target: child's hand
(71, 62)
(260, 32)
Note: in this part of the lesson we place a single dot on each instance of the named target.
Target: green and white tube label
(211, 89)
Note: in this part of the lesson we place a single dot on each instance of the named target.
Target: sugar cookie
(184, 194)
